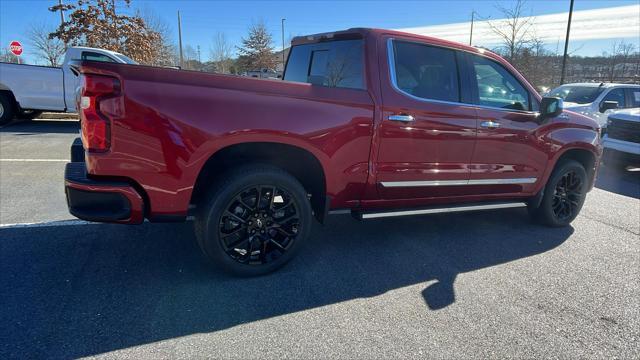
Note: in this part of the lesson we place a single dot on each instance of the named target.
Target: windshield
(126, 59)
(577, 94)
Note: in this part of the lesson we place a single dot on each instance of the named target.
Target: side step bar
(439, 210)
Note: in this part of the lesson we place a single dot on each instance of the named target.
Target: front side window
(426, 72)
(334, 64)
(92, 56)
(497, 87)
(616, 95)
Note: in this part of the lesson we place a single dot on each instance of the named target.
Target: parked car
(598, 100)
(373, 122)
(622, 140)
(263, 74)
(27, 90)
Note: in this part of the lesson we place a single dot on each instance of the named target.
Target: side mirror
(551, 107)
(608, 105)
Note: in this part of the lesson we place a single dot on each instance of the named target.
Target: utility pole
(198, 47)
(473, 12)
(566, 45)
(283, 19)
(180, 41)
(61, 13)
(62, 20)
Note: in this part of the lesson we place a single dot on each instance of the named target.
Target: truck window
(616, 95)
(497, 87)
(93, 56)
(425, 71)
(333, 64)
(635, 97)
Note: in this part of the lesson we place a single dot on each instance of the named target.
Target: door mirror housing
(551, 107)
(608, 105)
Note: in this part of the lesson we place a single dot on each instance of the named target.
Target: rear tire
(254, 220)
(564, 195)
(7, 109)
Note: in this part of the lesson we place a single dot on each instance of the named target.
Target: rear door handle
(490, 124)
(403, 118)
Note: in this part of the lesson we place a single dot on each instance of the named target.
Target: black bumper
(612, 156)
(87, 203)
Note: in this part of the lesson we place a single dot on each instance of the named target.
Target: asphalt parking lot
(471, 285)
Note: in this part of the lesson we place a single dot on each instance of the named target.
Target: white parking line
(34, 160)
(46, 224)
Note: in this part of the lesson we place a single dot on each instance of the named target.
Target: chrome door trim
(441, 210)
(393, 184)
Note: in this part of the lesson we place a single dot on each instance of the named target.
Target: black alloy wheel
(253, 220)
(567, 196)
(259, 225)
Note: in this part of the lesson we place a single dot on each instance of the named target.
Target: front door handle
(403, 118)
(490, 124)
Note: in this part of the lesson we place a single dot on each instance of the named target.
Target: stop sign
(16, 48)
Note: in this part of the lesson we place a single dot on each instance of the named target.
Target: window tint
(91, 56)
(426, 72)
(577, 94)
(635, 97)
(334, 64)
(616, 95)
(497, 87)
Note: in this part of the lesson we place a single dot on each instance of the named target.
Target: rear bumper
(98, 200)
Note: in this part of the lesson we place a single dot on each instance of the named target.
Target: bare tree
(220, 52)
(621, 52)
(48, 50)
(7, 56)
(513, 30)
(166, 53)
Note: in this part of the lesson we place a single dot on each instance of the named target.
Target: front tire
(564, 195)
(254, 220)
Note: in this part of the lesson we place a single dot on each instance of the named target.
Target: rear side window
(426, 72)
(334, 64)
(92, 56)
(635, 97)
(497, 87)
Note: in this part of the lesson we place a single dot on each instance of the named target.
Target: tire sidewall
(220, 200)
(8, 110)
(546, 206)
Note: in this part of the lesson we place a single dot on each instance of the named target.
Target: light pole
(473, 12)
(282, 22)
(566, 45)
(180, 41)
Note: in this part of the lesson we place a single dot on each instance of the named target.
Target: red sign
(16, 48)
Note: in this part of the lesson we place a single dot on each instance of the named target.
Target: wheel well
(584, 157)
(300, 163)
(9, 95)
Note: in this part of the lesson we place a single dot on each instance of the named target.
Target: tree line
(147, 39)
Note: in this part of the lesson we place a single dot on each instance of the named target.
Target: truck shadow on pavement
(42, 127)
(624, 182)
(75, 291)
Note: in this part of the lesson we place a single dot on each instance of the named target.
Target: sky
(201, 19)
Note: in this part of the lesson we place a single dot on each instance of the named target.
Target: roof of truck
(362, 32)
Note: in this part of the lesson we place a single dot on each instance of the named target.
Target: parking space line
(34, 160)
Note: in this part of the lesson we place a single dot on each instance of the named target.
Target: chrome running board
(439, 210)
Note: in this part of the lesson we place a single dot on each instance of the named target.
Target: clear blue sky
(201, 19)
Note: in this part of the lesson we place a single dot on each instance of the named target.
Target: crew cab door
(507, 157)
(427, 133)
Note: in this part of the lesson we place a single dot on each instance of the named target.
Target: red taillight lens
(95, 125)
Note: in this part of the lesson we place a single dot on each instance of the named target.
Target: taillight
(97, 90)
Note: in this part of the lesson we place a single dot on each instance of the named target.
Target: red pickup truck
(373, 122)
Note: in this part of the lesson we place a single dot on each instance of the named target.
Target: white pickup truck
(27, 90)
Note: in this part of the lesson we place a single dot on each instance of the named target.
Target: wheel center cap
(259, 223)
